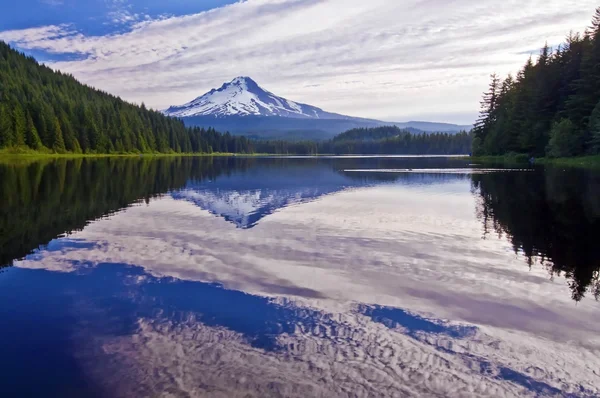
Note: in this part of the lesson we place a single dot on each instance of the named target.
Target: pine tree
(32, 139)
(6, 127)
(594, 130)
(550, 104)
(68, 133)
(487, 115)
(564, 140)
(19, 126)
(58, 142)
(587, 86)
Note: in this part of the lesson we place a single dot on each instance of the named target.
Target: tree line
(393, 140)
(551, 107)
(48, 111)
(375, 140)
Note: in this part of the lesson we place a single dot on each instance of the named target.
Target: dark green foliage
(393, 140)
(562, 87)
(58, 142)
(594, 127)
(6, 126)
(565, 140)
(32, 139)
(19, 126)
(42, 108)
(488, 115)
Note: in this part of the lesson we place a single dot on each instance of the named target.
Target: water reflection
(414, 324)
(552, 216)
(297, 277)
(46, 199)
(155, 329)
(246, 197)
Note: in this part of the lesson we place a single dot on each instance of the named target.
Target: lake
(298, 277)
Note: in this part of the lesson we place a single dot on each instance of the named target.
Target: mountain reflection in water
(297, 277)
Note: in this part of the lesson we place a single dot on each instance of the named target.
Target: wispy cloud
(121, 13)
(384, 59)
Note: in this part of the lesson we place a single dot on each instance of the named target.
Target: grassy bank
(512, 159)
(580, 161)
(505, 160)
(21, 152)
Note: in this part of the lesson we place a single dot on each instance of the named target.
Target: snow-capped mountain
(244, 97)
(242, 107)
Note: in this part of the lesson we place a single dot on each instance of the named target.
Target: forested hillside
(47, 110)
(552, 106)
(391, 139)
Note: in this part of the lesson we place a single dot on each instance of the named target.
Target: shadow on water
(552, 216)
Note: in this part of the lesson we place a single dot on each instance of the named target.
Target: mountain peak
(242, 79)
(242, 96)
(245, 83)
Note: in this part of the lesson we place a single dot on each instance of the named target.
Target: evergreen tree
(487, 115)
(594, 131)
(564, 140)
(6, 129)
(58, 142)
(19, 125)
(32, 139)
(550, 106)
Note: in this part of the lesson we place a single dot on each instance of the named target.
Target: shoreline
(591, 161)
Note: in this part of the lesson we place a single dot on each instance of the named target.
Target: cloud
(379, 58)
(120, 13)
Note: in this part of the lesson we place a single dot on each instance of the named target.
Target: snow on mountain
(244, 97)
(244, 208)
(244, 198)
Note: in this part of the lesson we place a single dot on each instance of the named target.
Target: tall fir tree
(19, 125)
(58, 142)
(594, 129)
(32, 139)
(487, 115)
(6, 126)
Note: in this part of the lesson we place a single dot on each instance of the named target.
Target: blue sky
(388, 59)
(95, 17)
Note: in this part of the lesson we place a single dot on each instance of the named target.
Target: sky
(394, 60)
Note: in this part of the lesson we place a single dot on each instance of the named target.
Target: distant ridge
(243, 107)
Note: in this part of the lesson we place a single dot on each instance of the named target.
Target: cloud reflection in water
(333, 297)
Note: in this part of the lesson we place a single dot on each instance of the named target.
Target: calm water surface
(303, 277)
